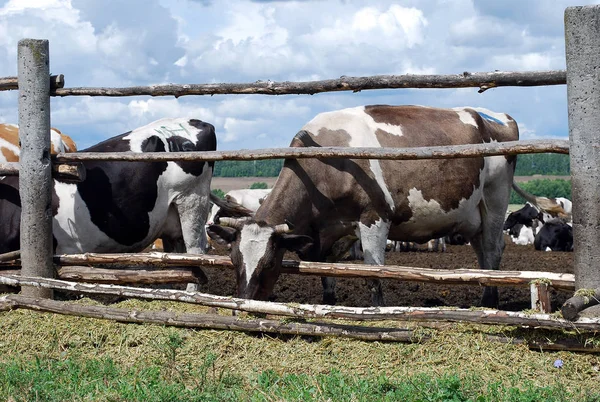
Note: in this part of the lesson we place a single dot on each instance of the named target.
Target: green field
(52, 357)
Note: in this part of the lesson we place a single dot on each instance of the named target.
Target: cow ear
(222, 234)
(298, 243)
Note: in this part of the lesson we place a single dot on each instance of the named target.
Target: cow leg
(488, 243)
(177, 246)
(373, 238)
(192, 210)
(328, 290)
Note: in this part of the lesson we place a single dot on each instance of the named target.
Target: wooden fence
(37, 264)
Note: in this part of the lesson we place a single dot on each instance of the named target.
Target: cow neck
(289, 201)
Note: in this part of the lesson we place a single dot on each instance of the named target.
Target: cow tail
(542, 203)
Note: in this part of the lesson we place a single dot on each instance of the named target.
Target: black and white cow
(400, 200)
(555, 235)
(522, 225)
(125, 206)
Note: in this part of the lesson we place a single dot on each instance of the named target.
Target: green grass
(52, 357)
(104, 380)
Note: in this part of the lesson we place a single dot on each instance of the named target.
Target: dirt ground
(353, 292)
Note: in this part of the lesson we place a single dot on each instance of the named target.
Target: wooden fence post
(582, 41)
(35, 166)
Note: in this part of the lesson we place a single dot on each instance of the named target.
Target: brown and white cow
(9, 143)
(323, 199)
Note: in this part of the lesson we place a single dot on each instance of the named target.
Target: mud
(353, 292)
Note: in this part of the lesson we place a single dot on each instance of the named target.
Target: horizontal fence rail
(483, 81)
(483, 316)
(65, 172)
(11, 83)
(561, 281)
(437, 152)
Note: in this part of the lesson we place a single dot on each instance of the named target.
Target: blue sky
(143, 42)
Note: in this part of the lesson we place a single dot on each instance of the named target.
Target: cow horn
(282, 228)
(235, 223)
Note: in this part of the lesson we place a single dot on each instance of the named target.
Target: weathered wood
(71, 172)
(455, 276)
(540, 297)
(484, 81)
(487, 316)
(120, 276)
(571, 308)
(10, 256)
(208, 321)
(437, 152)
(35, 184)
(558, 344)
(11, 83)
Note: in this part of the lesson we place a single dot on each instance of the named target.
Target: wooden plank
(483, 316)
(417, 153)
(561, 281)
(483, 81)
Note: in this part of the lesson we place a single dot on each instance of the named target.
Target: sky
(118, 43)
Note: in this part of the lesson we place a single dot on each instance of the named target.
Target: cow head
(256, 252)
(524, 216)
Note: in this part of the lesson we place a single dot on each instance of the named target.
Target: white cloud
(143, 42)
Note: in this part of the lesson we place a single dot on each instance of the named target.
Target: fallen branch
(211, 321)
(483, 81)
(579, 302)
(316, 311)
(208, 321)
(455, 276)
(435, 152)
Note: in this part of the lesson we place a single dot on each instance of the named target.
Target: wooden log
(483, 81)
(11, 83)
(540, 297)
(404, 335)
(436, 152)
(120, 276)
(71, 172)
(208, 321)
(455, 276)
(10, 256)
(580, 301)
(487, 316)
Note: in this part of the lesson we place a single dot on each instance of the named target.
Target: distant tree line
(527, 165)
(544, 164)
(262, 168)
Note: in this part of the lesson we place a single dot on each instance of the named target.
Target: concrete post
(35, 182)
(582, 41)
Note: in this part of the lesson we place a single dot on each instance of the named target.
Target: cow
(523, 224)
(10, 146)
(317, 201)
(555, 235)
(125, 206)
